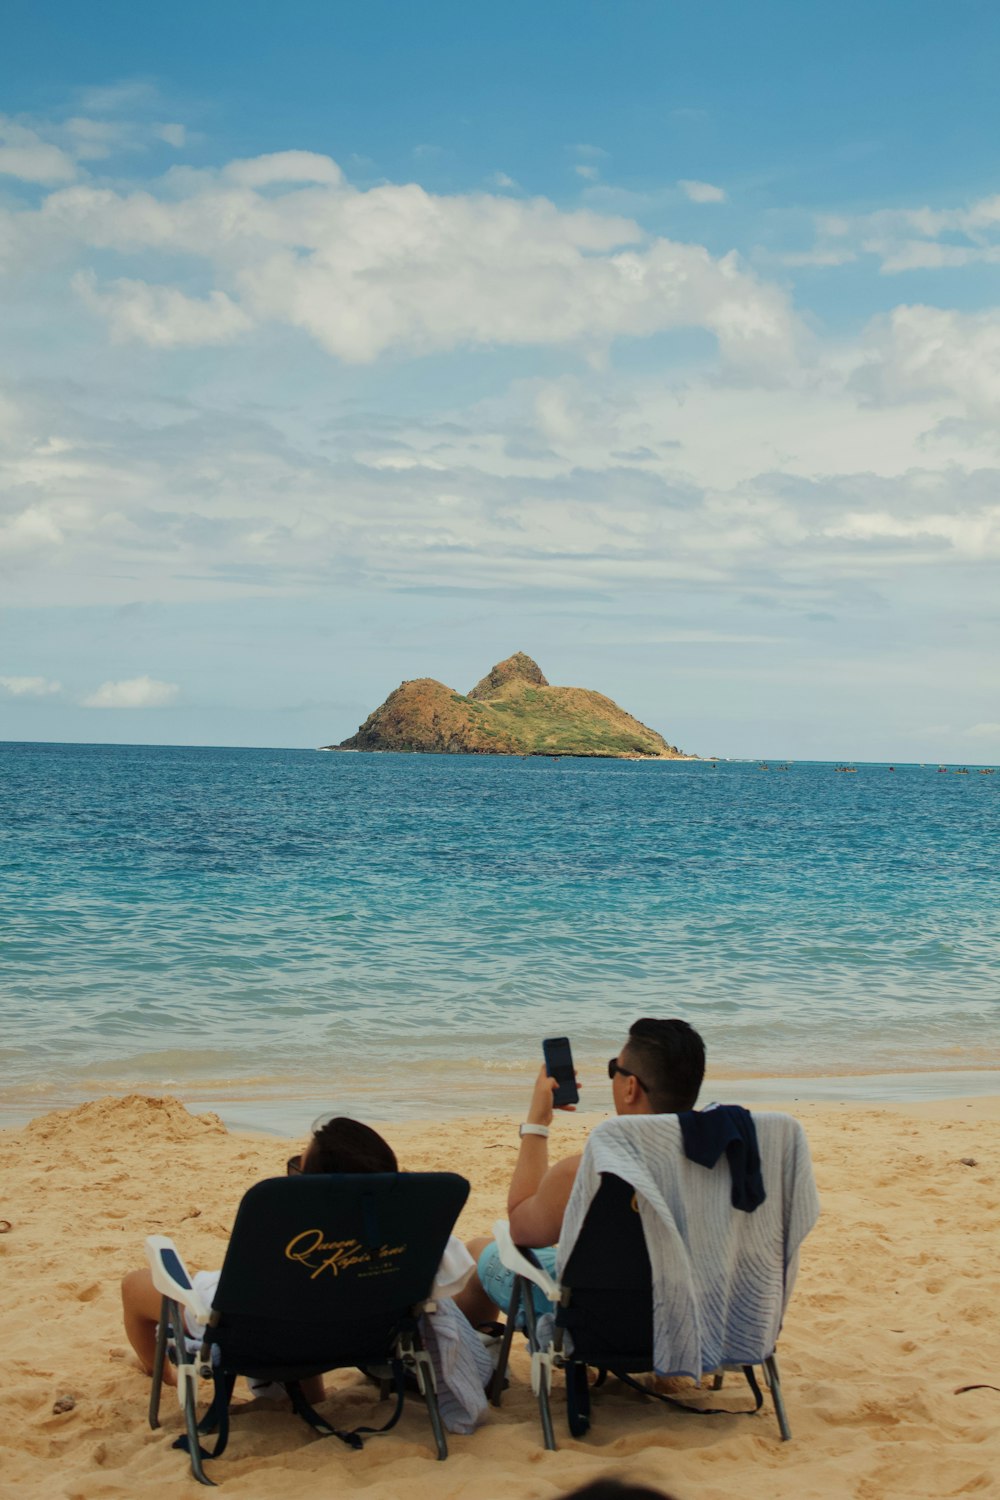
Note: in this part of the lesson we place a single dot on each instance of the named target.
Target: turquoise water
(393, 934)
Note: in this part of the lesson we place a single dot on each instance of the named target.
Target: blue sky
(346, 344)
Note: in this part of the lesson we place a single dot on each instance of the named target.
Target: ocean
(274, 932)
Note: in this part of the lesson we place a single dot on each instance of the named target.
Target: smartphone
(559, 1065)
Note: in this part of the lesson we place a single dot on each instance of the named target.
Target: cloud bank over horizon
(260, 384)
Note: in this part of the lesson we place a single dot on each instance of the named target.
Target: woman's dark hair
(343, 1145)
(669, 1057)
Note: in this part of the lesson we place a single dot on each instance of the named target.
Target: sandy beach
(894, 1311)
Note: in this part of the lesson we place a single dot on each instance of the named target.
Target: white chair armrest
(171, 1279)
(511, 1257)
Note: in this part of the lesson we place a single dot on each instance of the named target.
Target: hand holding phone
(559, 1065)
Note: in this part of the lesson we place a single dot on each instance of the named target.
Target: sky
(342, 344)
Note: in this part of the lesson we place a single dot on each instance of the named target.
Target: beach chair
(724, 1275)
(321, 1272)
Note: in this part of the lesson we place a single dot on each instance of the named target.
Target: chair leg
(410, 1350)
(544, 1405)
(717, 1380)
(577, 1398)
(499, 1374)
(185, 1364)
(437, 1426)
(774, 1381)
(158, 1360)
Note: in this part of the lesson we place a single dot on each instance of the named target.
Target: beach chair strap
(216, 1418)
(698, 1411)
(354, 1438)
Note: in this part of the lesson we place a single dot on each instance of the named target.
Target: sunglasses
(293, 1166)
(614, 1066)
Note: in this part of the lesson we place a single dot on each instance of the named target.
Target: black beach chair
(604, 1300)
(321, 1273)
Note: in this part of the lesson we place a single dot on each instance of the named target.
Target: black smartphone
(559, 1065)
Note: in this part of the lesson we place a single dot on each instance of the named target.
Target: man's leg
(489, 1291)
(473, 1300)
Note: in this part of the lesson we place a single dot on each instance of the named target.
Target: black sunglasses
(614, 1066)
(293, 1166)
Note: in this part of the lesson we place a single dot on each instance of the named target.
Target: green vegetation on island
(512, 711)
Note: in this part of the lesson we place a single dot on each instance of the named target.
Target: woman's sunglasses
(293, 1166)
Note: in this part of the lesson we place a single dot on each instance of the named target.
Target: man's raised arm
(539, 1193)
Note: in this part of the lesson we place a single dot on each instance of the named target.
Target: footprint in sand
(83, 1291)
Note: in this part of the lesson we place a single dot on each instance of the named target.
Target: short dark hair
(343, 1145)
(669, 1057)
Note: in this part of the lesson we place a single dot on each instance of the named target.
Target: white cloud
(25, 155)
(128, 94)
(971, 533)
(132, 692)
(701, 192)
(395, 267)
(919, 351)
(174, 135)
(33, 529)
(30, 687)
(162, 316)
(911, 239)
(50, 152)
(983, 732)
(588, 172)
(92, 140)
(284, 167)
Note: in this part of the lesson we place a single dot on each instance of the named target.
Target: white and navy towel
(721, 1277)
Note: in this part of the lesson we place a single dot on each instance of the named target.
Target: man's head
(659, 1070)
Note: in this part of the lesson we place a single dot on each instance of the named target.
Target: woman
(337, 1144)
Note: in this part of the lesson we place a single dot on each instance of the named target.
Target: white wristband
(527, 1129)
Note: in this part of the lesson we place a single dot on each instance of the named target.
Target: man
(658, 1071)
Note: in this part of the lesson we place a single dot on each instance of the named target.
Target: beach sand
(895, 1309)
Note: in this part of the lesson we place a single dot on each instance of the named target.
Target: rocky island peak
(516, 668)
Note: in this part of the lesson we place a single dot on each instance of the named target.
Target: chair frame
(406, 1353)
(544, 1359)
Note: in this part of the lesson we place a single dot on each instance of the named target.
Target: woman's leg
(141, 1306)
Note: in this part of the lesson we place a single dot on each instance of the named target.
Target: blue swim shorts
(498, 1282)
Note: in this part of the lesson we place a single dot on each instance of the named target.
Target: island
(514, 710)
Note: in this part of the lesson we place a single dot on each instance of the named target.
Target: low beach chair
(321, 1273)
(722, 1278)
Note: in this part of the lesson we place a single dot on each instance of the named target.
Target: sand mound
(129, 1118)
